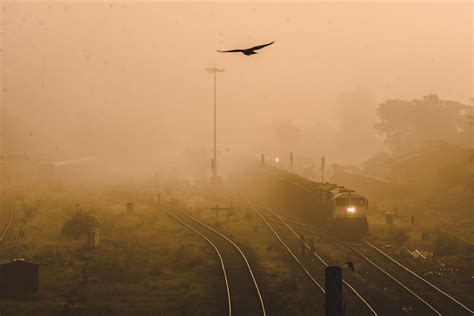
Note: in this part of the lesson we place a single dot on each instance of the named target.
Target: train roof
(347, 195)
(296, 179)
(304, 183)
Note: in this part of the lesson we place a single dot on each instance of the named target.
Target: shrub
(79, 224)
(445, 246)
(29, 211)
(399, 235)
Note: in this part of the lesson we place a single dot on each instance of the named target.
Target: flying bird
(246, 51)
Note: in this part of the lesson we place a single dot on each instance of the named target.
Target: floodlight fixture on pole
(215, 70)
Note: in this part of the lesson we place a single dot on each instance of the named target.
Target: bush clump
(79, 224)
(399, 235)
(445, 246)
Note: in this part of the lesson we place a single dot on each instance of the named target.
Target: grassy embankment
(145, 262)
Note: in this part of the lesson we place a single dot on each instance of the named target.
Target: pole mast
(215, 70)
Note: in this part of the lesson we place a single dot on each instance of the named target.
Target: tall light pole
(214, 70)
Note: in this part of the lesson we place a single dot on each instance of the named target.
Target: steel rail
(421, 278)
(7, 227)
(318, 256)
(393, 260)
(283, 220)
(391, 277)
(284, 244)
(229, 304)
(262, 305)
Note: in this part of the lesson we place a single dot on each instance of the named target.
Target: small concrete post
(389, 218)
(93, 238)
(129, 208)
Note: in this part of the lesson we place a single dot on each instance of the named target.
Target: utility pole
(470, 119)
(291, 161)
(214, 70)
(323, 163)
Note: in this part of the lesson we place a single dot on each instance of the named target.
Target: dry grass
(146, 263)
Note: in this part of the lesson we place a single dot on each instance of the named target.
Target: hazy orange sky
(90, 75)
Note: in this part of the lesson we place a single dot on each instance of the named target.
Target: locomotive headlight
(351, 209)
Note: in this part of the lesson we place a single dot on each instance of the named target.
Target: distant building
(435, 163)
(18, 169)
(19, 278)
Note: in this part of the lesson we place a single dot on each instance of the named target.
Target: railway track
(314, 269)
(462, 235)
(242, 290)
(440, 301)
(8, 225)
(436, 301)
(421, 296)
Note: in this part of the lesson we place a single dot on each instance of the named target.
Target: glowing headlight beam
(277, 159)
(351, 209)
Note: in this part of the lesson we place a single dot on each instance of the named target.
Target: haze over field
(130, 79)
(337, 179)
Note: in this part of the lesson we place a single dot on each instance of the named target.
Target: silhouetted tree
(406, 125)
(376, 164)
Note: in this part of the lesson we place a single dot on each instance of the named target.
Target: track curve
(243, 293)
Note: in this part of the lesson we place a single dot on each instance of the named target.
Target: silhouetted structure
(129, 208)
(333, 305)
(19, 278)
(389, 218)
(437, 162)
(93, 238)
(215, 70)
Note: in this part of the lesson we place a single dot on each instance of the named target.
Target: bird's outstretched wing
(261, 46)
(231, 51)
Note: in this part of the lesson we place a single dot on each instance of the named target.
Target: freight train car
(344, 210)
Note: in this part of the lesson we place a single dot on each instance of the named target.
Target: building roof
(20, 261)
(427, 150)
(378, 179)
(72, 161)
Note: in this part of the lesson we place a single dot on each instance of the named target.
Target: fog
(342, 181)
(129, 79)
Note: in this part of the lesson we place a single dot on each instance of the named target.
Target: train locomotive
(322, 204)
